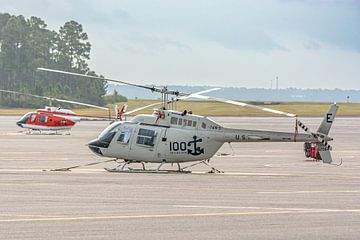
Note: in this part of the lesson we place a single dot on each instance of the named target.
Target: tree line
(26, 44)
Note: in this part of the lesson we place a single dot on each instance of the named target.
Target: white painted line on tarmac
(257, 174)
(244, 156)
(268, 208)
(315, 191)
(177, 215)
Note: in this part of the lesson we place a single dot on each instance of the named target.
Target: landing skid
(139, 170)
(124, 168)
(47, 132)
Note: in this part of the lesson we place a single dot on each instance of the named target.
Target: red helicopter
(54, 118)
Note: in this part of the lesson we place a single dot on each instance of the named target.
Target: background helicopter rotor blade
(25, 94)
(79, 103)
(54, 99)
(163, 90)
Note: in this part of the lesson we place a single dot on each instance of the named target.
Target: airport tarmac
(268, 190)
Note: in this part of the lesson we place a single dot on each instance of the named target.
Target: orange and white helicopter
(53, 118)
(169, 136)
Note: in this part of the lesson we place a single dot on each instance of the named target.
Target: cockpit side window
(146, 137)
(125, 135)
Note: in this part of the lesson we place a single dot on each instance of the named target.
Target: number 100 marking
(176, 146)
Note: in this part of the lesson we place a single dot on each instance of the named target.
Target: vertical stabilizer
(328, 120)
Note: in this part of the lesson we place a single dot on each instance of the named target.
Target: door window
(146, 137)
(43, 119)
(125, 135)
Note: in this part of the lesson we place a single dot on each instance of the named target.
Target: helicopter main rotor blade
(194, 95)
(141, 108)
(206, 91)
(54, 99)
(182, 98)
(153, 89)
(242, 104)
(198, 94)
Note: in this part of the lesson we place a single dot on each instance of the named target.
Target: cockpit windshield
(105, 137)
(112, 128)
(108, 134)
(24, 118)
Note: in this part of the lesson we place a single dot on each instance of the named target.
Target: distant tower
(277, 83)
(348, 99)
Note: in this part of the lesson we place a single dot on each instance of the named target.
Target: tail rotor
(321, 146)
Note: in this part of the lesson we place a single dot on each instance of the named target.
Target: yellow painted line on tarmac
(150, 216)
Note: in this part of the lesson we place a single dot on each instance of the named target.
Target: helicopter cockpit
(106, 136)
(23, 119)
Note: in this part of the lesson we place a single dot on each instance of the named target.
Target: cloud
(233, 43)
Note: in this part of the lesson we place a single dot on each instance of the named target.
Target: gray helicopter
(169, 136)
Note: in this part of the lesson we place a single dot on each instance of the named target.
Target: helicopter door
(42, 120)
(123, 141)
(163, 146)
(144, 145)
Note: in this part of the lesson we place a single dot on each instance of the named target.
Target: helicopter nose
(19, 124)
(96, 150)
(98, 143)
(97, 147)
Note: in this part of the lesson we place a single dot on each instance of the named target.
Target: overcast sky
(307, 44)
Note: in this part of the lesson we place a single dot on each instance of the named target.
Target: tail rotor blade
(317, 136)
